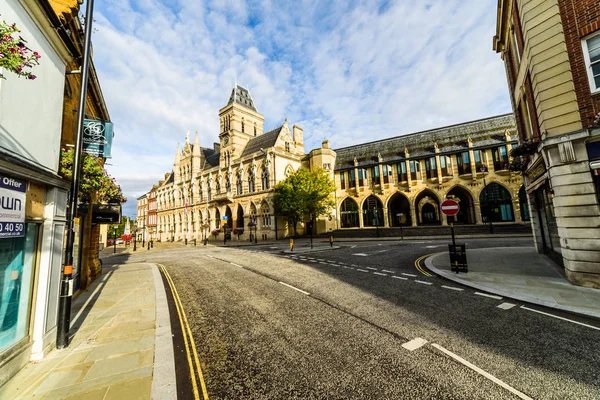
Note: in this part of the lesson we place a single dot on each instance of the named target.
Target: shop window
(349, 214)
(17, 261)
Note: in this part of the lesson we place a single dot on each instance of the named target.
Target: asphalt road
(360, 322)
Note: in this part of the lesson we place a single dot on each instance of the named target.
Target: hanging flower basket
(524, 149)
(15, 56)
(519, 164)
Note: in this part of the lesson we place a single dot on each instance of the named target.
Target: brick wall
(581, 18)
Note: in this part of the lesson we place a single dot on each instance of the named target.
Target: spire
(241, 96)
(196, 148)
(177, 154)
(187, 137)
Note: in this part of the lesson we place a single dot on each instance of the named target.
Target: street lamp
(483, 170)
(115, 239)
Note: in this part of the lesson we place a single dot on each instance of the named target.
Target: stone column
(360, 218)
(477, 207)
(386, 220)
(408, 177)
(413, 216)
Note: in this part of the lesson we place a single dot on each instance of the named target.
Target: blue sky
(347, 71)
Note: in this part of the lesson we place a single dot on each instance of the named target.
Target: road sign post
(458, 253)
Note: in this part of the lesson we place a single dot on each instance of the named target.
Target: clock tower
(239, 122)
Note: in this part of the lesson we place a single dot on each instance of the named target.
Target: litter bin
(458, 258)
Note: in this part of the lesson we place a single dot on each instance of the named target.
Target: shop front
(541, 196)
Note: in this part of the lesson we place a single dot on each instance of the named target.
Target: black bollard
(194, 241)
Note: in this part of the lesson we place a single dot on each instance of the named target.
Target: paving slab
(520, 273)
(114, 337)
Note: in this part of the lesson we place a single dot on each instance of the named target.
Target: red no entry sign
(450, 207)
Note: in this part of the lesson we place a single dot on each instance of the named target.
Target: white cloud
(346, 72)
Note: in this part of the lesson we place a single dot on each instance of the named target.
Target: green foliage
(304, 193)
(94, 178)
(15, 56)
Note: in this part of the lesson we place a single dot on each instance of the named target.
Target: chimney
(217, 147)
(325, 144)
(298, 135)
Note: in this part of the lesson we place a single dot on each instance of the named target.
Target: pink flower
(37, 55)
(31, 77)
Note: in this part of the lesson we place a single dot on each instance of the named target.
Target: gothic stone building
(402, 181)
(231, 184)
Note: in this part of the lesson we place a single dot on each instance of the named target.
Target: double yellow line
(188, 339)
(420, 268)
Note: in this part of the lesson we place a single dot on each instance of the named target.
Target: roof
(263, 141)
(211, 156)
(486, 132)
(241, 95)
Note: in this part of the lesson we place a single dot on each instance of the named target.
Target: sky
(346, 71)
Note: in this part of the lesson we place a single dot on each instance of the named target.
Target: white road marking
(273, 247)
(237, 265)
(361, 270)
(414, 344)
(347, 267)
(322, 262)
(453, 288)
(431, 247)
(360, 254)
(400, 277)
(372, 269)
(411, 275)
(352, 246)
(379, 273)
(295, 288)
(482, 372)
(389, 272)
(564, 319)
(491, 296)
(506, 306)
(423, 282)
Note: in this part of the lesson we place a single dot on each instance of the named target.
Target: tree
(302, 194)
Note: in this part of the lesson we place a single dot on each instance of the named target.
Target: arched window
(209, 194)
(265, 180)
(218, 188)
(251, 184)
(265, 215)
(228, 185)
(349, 213)
(525, 214)
(255, 129)
(496, 204)
(372, 212)
(238, 186)
(243, 126)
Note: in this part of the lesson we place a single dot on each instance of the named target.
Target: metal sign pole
(66, 292)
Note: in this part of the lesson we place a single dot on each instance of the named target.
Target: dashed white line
(389, 272)
(361, 270)
(295, 288)
(423, 282)
(360, 254)
(482, 372)
(506, 306)
(453, 288)
(414, 344)
(564, 319)
(379, 273)
(411, 275)
(491, 296)
(323, 262)
(400, 277)
(372, 269)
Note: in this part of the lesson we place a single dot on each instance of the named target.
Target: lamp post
(115, 239)
(144, 231)
(483, 170)
(135, 236)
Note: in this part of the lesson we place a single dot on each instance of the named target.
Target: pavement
(520, 274)
(120, 347)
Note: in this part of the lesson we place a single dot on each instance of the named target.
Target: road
(362, 322)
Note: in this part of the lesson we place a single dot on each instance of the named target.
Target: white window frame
(588, 63)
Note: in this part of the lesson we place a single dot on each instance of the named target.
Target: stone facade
(548, 48)
(230, 184)
(402, 181)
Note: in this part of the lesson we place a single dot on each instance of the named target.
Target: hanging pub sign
(12, 206)
(97, 137)
(103, 213)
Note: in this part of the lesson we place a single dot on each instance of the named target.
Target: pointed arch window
(265, 213)
(238, 186)
(218, 188)
(251, 184)
(228, 185)
(265, 180)
(243, 126)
